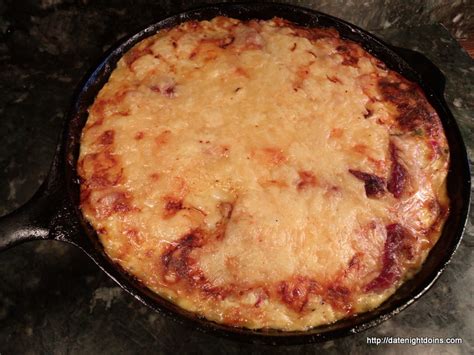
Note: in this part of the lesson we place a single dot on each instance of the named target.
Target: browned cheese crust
(262, 174)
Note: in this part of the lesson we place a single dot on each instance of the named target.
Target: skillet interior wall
(45, 48)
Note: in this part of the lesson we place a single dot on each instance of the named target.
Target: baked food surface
(263, 175)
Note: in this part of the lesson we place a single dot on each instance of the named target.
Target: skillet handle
(428, 72)
(38, 218)
(29, 222)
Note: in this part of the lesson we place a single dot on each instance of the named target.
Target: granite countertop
(54, 300)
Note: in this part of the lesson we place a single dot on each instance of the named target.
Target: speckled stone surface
(54, 300)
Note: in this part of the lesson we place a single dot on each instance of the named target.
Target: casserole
(66, 222)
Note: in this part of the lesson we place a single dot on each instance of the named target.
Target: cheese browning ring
(263, 175)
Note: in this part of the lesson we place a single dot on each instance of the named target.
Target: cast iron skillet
(53, 212)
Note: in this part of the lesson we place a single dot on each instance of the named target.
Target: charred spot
(178, 265)
(413, 109)
(313, 34)
(121, 203)
(334, 79)
(107, 137)
(407, 251)
(412, 117)
(350, 61)
(176, 259)
(339, 297)
(183, 247)
(369, 113)
(226, 41)
(113, 202)
(139, 135)
(293, 47)
(307, 179)
(398, 176)
(263, 295)
(167, 90)
(349, 54)
(103, 168)
(397, 243)
(374, 185)
(172, 206)
(295, 293)
(104, 179)
(393, 91)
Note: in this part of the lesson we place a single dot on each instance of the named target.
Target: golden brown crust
(263, 174)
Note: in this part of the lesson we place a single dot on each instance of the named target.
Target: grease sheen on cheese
(262, 174)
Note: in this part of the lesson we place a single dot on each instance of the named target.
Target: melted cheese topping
(263, 175)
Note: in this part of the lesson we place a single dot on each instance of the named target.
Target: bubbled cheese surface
(263, 175)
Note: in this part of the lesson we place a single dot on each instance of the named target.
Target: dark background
(54, 300)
